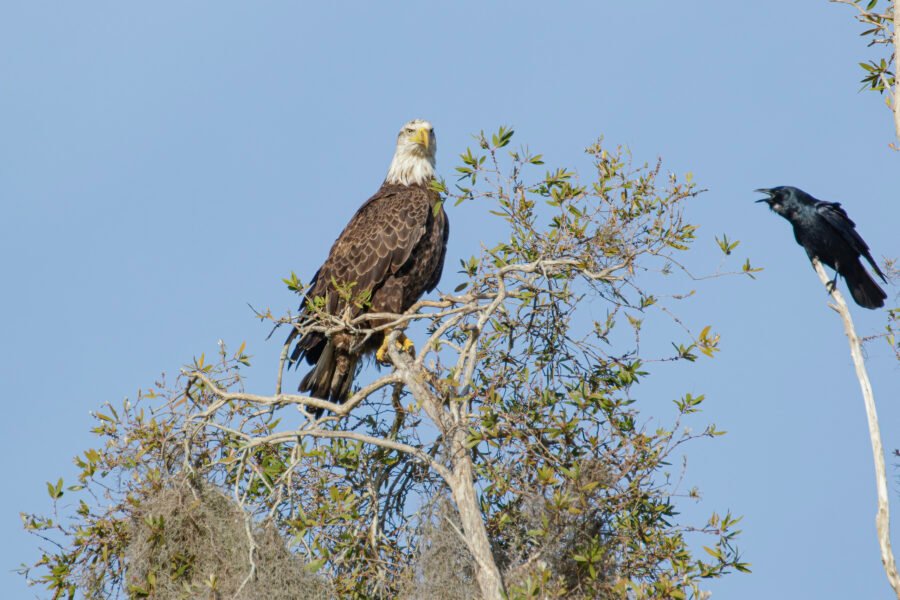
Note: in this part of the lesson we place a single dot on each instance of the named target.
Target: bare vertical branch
(882, 518)
(896, 105)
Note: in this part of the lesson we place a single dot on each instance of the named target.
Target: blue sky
(161, 167)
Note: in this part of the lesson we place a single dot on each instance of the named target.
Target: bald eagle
(389, 254)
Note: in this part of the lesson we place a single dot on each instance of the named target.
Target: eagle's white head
(413, 161)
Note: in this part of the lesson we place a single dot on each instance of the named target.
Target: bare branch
(896, 105)
(282, 361)
(882, 519)
(285, 399)
(288, 436)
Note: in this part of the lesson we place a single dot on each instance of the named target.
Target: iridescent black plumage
(827, 233)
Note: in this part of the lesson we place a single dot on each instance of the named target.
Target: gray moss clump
(192, 543)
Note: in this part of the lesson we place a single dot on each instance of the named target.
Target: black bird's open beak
(764, 191)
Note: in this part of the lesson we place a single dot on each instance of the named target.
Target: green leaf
(55, 491)
(314, 565)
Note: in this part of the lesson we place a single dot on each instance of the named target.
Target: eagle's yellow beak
(422, 137)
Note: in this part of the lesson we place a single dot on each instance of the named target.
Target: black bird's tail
(863, 288)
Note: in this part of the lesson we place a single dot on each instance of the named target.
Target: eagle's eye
(410, 130)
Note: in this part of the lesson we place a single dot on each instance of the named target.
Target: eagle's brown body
(393, 249)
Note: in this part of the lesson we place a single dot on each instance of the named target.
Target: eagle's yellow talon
(381, 354)
(404, 344)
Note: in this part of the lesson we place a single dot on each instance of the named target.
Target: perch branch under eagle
(389, 254)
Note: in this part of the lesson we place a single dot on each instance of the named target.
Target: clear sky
(163, 165)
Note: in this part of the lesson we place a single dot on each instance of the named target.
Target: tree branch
(284, 399)
(896, 105)
(462, 480)
(880, 35)
(286, 436)
(882, 518)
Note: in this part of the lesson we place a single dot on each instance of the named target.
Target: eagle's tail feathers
(332, 377)
(308, 348)
(344, 372)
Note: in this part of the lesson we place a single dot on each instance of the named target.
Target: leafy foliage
(877, 18)
(527, 390)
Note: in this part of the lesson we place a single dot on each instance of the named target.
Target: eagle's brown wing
(376, 244)
(391, 250)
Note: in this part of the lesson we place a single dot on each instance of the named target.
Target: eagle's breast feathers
(391, 251)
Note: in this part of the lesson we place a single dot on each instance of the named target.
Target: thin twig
(282, 360)
(251, 574)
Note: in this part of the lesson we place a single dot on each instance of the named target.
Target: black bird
(827, 233)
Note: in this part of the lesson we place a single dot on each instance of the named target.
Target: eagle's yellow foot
(404, 344)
